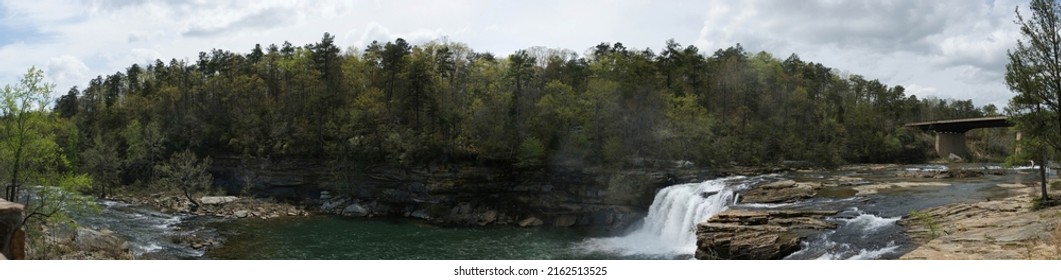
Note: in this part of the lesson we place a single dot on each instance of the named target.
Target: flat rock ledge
(739, 234)
(779, 192)
(991, 230)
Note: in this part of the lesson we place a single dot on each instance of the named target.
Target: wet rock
(757, 235)
(241, 213)
(777, 192)
(198, 242)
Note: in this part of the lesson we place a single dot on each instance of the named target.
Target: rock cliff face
(12, 238)
(757, 234)
(460, 194)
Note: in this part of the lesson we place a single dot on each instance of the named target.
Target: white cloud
(66, 70)
(919, 90)
(950, 48)
(956, 48)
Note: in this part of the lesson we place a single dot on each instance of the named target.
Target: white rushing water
(853, 239)
(669, 230)
(148, 231)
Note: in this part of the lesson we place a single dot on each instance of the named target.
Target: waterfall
(670, 227)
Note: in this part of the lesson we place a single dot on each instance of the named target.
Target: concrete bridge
(950, 134)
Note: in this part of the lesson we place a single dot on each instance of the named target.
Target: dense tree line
(442, 102)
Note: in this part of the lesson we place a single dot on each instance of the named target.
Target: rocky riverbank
(1004, 228)
(216, 206)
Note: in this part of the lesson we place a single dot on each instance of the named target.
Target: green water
(339, 238)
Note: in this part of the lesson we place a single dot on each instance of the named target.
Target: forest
(442, 103)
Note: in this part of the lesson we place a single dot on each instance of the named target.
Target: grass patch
(926, 221)
(1039, 204)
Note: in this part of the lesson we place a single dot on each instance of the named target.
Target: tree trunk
(195, 204)
(1042, 178)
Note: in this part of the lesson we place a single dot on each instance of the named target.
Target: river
(867, 226)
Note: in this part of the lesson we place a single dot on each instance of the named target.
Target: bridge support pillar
(948, 143)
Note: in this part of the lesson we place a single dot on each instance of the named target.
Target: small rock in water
(530, 222)
(420, 214)
(242, 213)
(566, 221)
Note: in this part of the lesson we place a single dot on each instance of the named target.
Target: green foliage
(186, 173)
(926, 221)
(52, 209)
(1034, 73)
(402, 104)
(614, 152)
(100, 160)
(35, 167)
(532, 153)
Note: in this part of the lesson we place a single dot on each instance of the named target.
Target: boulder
(531, 222)
(104, 241)
(241, 213)
(215, 200)
(757, 235)
(777, 192)
(355, 210)
(420, 214)
(487, 217)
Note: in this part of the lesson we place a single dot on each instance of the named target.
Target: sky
(943, 48)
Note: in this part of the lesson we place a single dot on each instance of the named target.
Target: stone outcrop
(996, 229)
(940, 174)
(757, 235)
(355, 210)
(100, 244)
(778, 192)
(218, 206)
(12, 237)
